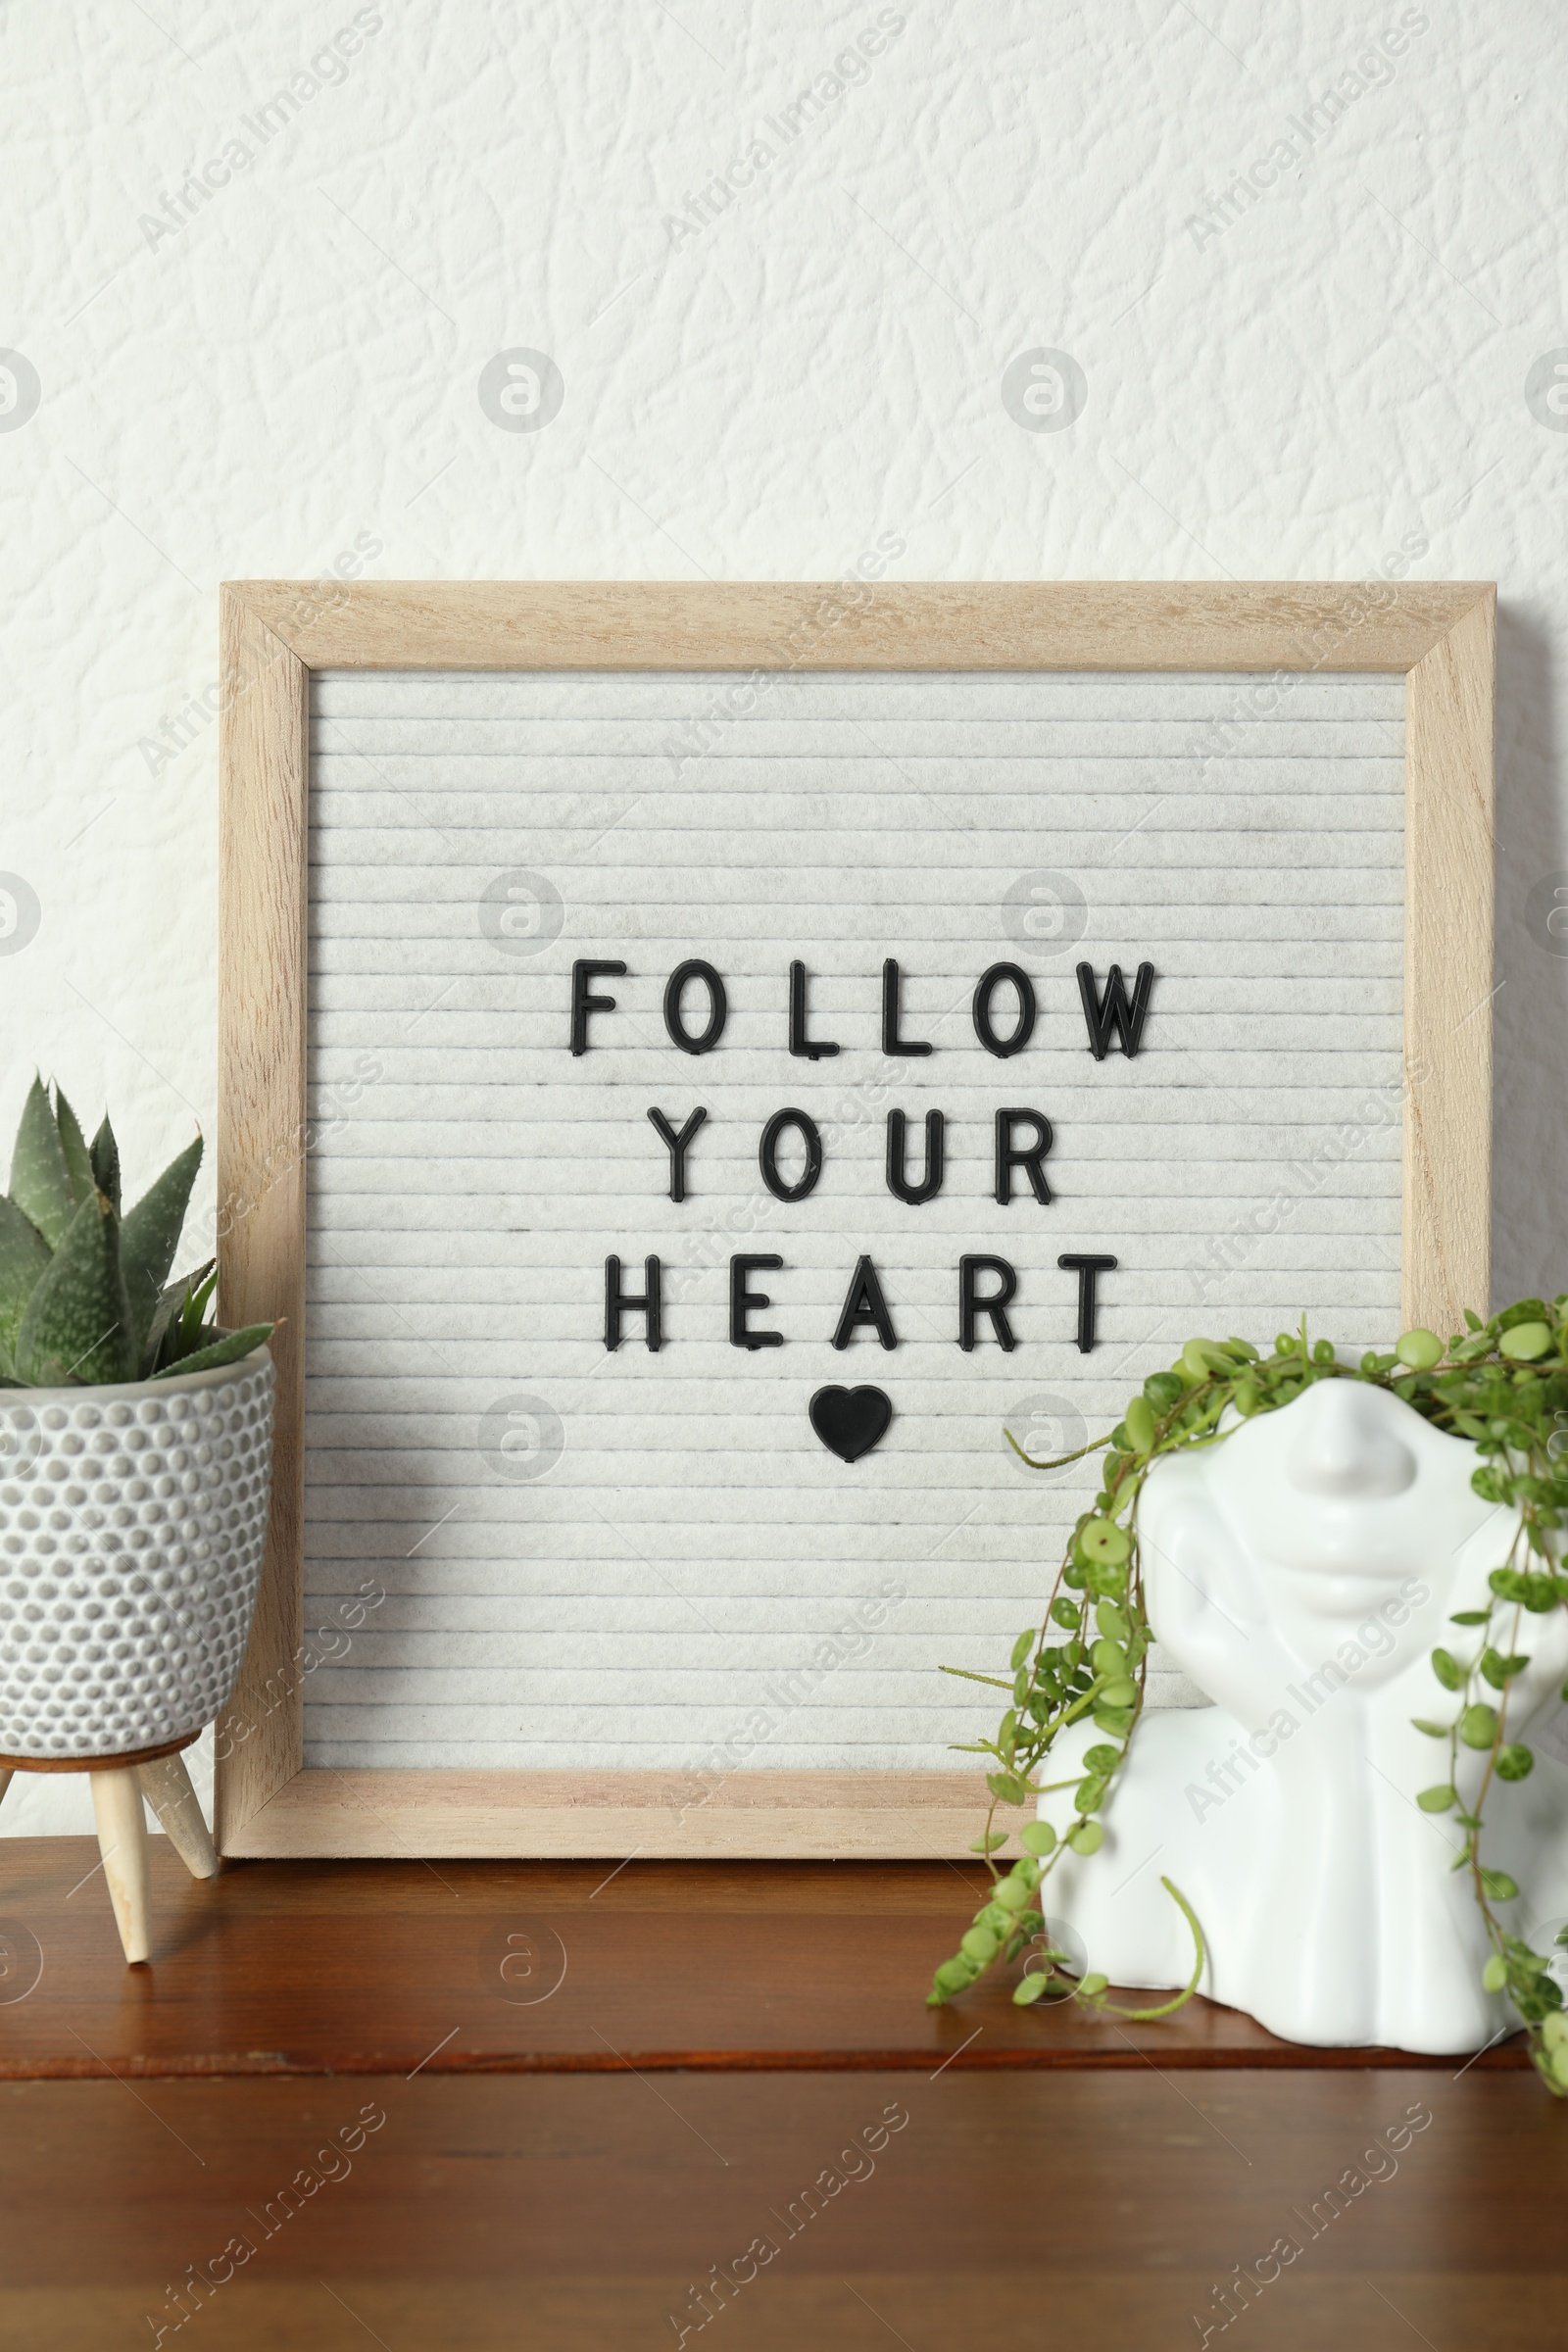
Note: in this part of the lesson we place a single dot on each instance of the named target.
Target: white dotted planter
(132, 1521)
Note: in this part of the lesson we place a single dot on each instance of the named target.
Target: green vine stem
(1503, 1385)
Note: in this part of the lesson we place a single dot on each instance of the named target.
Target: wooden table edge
(250, 2065)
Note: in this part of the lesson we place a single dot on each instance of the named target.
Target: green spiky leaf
(76, 1326)
(166, 1317)
(106, 1163)
(40, 1181)
(189, 1332)
(224, 1351)
(149, 1235)
(74, 1143)
(24, 1257)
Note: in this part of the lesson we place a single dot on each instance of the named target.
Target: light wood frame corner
(1440, 636)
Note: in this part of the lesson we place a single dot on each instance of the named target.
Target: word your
(849, 68)
(1373, 1639)
(787, 1692)
(1379, 2162)
(1373, 69)
(327, 68)
(182, 726)
(856, 2163)
(1109, 1015)
(331, 2163)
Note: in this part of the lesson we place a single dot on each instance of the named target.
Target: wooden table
(549, 2106)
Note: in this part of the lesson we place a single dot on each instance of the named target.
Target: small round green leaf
(1119, 1692)
(1011, 1894)
(1525, 1341)
(1419, 1349)
(1478, 1726)
(1441, 1799)
(1105, 1543)
(1139, 1425)
(979, 1944)
(1031, 1989)
(1086, 1839)
(1037, 1838)
(1094, 1983)
(1515, 1762)
(1495, 1976)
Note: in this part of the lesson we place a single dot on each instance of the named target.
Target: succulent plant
(85, 1297)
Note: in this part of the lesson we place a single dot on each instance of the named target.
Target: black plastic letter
(584, 972)
(1087, 1268)
(892, 1042)
(971, 1306)
(679, 1144)
(768, 1156)
(1028, 1157)
(801, 1045)
(1115, 1012)
(618, 1303)
(930, 1182)
(743, 1300)
(980, 1010)
(864, 1303)
(718, 1006)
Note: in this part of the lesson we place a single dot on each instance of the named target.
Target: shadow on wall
(1530, 1085)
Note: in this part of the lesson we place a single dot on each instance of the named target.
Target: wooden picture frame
(274, 633)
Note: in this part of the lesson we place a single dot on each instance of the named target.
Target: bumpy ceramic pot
(132, 1521)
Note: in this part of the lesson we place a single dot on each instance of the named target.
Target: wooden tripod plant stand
(119, 1785)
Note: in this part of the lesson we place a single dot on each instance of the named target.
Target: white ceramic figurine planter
(1301, 1574)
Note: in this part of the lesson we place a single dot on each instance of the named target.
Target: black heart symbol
(851, 1421)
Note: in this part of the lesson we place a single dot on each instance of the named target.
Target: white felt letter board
(699, 1063)
(649, 1557)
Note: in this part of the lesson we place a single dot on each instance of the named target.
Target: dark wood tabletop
(550, 2105)
(474, 1967)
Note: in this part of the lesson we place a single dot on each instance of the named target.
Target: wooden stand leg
(5, 1782)
(123, 1839)
(166, 1788)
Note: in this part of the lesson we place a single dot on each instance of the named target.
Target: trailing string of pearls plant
(1501, 1384)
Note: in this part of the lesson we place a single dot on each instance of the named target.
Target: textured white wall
(1312, 376)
